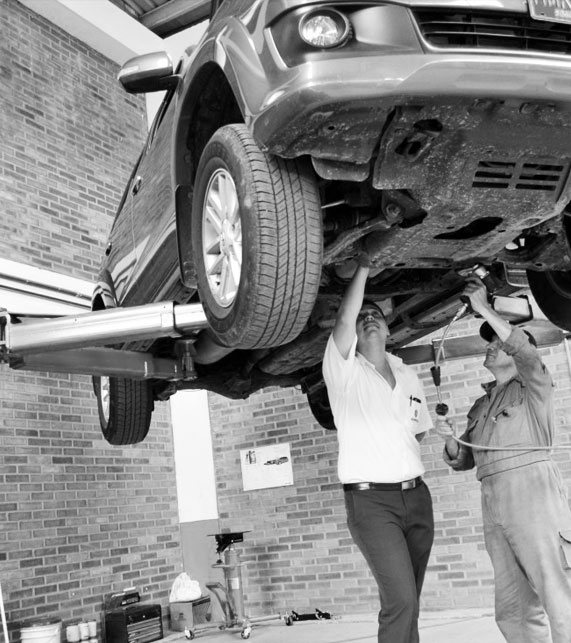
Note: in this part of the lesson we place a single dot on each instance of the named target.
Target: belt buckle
(408, 484)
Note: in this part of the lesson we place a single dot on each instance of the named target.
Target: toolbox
(137, 623)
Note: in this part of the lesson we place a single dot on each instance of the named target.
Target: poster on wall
(265, 467)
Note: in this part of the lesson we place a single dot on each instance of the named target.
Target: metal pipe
(101, 361)
(3, 615)
(566, 344)
(101, 327)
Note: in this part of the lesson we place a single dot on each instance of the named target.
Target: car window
(159, 117)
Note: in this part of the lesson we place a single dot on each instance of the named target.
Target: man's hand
(478, 296)
(444, 427)
(477, 293)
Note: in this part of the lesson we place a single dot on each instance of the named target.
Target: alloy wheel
(105, 397)
(222, 238)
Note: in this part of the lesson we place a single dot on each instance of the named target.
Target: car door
(153, 212)
(120, 255)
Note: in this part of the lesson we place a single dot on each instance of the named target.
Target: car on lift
(300, 136)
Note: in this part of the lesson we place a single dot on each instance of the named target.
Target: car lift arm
(47, 344)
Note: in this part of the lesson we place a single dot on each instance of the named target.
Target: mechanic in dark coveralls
(381, 415)
(527, 522)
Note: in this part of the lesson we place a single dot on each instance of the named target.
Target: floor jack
(231, 595)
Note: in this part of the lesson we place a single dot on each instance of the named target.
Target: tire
(256, 240)
(125, 408)
(321, 409)
(552, 292)
(318, 399)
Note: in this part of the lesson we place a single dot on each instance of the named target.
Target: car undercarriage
(300, 139)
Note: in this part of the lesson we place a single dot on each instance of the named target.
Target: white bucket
(42, 633)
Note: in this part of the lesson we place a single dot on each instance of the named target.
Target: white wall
(113, 33)
(193, 456)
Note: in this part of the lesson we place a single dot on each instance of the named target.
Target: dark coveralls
(527, 522)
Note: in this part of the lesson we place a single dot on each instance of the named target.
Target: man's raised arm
(345, 326)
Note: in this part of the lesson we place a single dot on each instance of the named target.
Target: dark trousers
(394, 531)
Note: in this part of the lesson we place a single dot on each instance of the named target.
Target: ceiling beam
(176, 15)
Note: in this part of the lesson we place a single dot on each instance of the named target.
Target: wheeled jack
(231, 595)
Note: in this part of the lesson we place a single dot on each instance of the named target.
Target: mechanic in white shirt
(381, 415)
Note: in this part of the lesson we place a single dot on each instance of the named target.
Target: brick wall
(80, 518)
(70, 137)
(83, 518)
(299, 553)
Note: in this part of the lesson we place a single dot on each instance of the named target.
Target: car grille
(444, 28)
(521, 175)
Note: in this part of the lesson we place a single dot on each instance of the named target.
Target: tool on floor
(318, 615)
(231, 594)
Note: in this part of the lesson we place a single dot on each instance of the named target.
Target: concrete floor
(462, 626)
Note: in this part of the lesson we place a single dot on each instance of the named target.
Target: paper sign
(265, 467)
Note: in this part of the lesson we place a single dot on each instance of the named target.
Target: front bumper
(334, 104)
(340, 114)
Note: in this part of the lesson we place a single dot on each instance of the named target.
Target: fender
(104, 296)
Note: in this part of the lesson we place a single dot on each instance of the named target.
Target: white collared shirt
(376, 425)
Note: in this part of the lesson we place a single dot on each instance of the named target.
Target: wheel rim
(222, 238)
(104, 396)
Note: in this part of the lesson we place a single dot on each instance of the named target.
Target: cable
(442, 408)
(480, 447)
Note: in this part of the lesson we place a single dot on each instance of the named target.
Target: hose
(480, 447)
(441, 408)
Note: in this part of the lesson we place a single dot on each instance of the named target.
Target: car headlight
(325, 28)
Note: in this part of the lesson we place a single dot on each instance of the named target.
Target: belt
(383, 486)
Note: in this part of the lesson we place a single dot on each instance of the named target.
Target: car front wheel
(125, 408)
(552, 292)
(256, 240)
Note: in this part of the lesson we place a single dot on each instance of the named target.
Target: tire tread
(289, 242)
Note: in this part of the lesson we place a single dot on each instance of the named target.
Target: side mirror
(148, 73)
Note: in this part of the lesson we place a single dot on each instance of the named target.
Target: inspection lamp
(325, 28)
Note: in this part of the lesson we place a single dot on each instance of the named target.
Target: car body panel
(153, 211)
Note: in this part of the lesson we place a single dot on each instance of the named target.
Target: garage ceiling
(166, 17)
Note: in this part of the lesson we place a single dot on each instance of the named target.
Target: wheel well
(97, 303)
(567, 228)
(209, 104)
